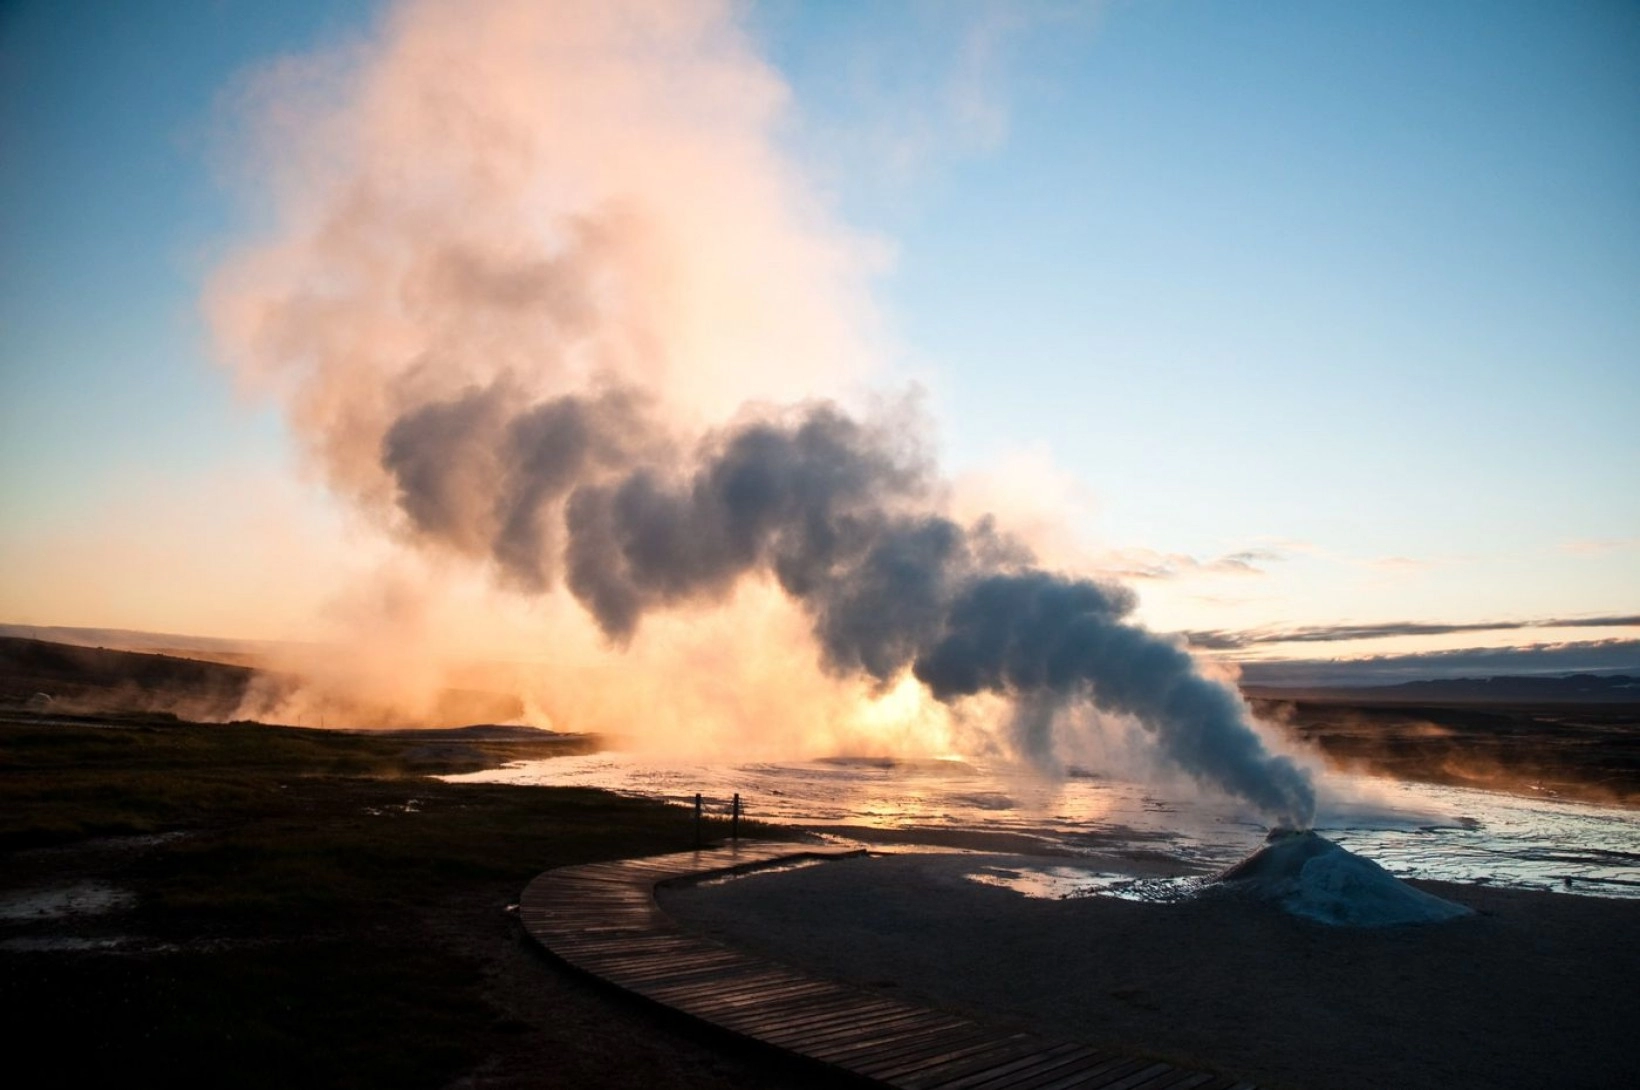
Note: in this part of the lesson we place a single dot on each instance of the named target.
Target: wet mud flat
(1533, 990)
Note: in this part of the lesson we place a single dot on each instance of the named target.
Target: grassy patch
(286, 938)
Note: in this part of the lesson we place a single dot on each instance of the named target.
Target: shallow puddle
(1059, 883)
(60, 944)
(58, 902)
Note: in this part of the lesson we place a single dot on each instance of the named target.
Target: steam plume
(525, 257)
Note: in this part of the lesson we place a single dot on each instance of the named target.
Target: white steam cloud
(540, 293)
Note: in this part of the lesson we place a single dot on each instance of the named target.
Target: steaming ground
(1089, 832)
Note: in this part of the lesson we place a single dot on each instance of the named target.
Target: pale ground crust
(1535, 989)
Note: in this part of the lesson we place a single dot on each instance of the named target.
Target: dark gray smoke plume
(839, 514)
(446, 205)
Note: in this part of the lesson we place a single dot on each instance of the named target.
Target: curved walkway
(602, 918)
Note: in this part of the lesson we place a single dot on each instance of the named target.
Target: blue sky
(1353, 289)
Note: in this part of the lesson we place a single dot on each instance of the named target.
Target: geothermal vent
(1310, 876)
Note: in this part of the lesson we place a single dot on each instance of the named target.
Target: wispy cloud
(1229, 640)
(1150, 564)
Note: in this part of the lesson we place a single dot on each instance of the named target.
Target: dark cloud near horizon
(1588, 657)
(840, 513)
(1222, 640)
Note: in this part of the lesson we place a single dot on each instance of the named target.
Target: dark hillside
(66, 679)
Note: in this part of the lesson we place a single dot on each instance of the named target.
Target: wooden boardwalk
(603, 919)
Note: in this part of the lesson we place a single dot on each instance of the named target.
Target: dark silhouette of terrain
(1574, 737)
(66, 679)
(1562, 689)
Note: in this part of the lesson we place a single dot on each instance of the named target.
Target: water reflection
(1132, 833)
(1058, 883)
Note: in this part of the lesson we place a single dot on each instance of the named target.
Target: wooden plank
(591, 913)
(910, 1042)
(603, 918)
(745, 1004)
(1032, 1059)
(645, 938)
(842, 999)
(821, 1047)
(667, 973)
(740, 992)
(943, 1071)
(730, 985)
(589, 905)
(847, 1027)
(596, 910)
(829, 995)
(867, 1059)
(1026, 1069)
(1079, 1071)
(679, 985)
(649, 950)
(728, 978)
(599, 883)
(595, 880)
(734, 1013)
(658, 942)
(1138, 1078)
(623, 877)
(1177, 1079)
(747, 994)
(654, 967)
(568, 934)
(588, 870)
(809, 1013)
(745, 976)
(1098, 1075)
(791, 1012)
(584, 936)
(868, 1024)
(579, 944)
(641, 962)
(924, 1064)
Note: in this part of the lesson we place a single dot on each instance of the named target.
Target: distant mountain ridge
(1507, 689)
(1601, 672)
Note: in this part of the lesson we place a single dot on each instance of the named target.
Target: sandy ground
(1534, 990)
